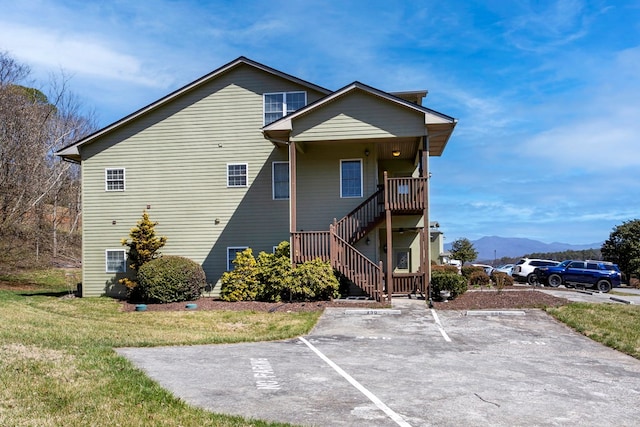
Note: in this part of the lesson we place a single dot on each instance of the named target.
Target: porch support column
(426, 266)
(389, 244)
(292, 187)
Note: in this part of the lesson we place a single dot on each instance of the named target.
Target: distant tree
(463, 250)
(623, 247)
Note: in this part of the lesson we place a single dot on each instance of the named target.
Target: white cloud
(79, 54)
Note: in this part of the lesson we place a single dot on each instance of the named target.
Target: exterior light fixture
(396, 153)
(366, 152)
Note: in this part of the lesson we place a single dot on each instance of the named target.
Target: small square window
(116, 261)
(232, 251)
(114, 179)
(237, 175)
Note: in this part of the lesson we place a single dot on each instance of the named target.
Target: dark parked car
(601, 275)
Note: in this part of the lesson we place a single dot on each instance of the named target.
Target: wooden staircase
(399, 195)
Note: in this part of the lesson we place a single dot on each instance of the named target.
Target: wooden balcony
(406, 195)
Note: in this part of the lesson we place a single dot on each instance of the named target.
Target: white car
(523, 270)
(507, 268)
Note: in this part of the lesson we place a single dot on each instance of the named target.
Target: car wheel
(604, 286)
(532, 279)
(555, 280)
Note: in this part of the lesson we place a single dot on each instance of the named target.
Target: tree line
(622, 248)
(40, 198)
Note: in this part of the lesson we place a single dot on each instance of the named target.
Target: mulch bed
(470, 300)
(508, 299)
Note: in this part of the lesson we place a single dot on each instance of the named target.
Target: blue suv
(600, 275)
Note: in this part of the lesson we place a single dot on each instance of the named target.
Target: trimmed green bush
(479, 278)
(271, 278)
(275, 274)
(445, 281)
(241, 283)
(170, 279)
(314, 281)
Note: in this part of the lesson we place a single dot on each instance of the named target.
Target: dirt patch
(470, 300)
(17, 286)
(214, 304)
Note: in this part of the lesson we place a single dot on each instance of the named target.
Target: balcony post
(426, 237)
(389, 244)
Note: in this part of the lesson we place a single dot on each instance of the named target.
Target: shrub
(170, 279)
(479, 278)
(469, 270)
(445, 268)
(274, 274)
(445, 281)
(241, 283)
(501, 279)
(143, 247)
(314, 281)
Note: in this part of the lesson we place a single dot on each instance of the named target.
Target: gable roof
(431, 116)
(71, 151)
(439, 126)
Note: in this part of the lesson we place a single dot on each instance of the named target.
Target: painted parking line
(439, 325)
(390, 412)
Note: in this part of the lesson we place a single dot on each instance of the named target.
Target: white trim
(273, 180)
(106, 180)
(246, 166)
(361, 178)
(284, 104)
(106, 260)
(236, 249)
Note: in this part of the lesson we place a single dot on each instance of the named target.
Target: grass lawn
(58, 366)
(614, 325)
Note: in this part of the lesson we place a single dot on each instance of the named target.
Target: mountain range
(494, 247)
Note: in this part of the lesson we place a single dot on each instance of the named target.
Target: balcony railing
(406, 195)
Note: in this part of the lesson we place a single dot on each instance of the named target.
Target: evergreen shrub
(170, 279)
(467, 271)
(479, 278)
(241, 283)
(446, 281)
(271, 278)
(501, 279)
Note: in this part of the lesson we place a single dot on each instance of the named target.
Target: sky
(546, 93)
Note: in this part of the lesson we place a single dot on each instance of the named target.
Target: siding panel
(175, 160)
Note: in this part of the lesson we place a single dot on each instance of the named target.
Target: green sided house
(249, 156)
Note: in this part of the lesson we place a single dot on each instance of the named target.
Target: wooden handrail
(357, 223)
(355, 266)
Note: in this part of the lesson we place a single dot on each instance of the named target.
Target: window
(403, 257)
(277, 105)
(114, 179)
(237, 175)
(351, 178)
(231, 255)
(280, 180)
(116, 260)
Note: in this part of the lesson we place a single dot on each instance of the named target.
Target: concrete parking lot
(410, 366)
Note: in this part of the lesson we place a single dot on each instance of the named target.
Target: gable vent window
(237, 175)
(278, 105)
(114, 179)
